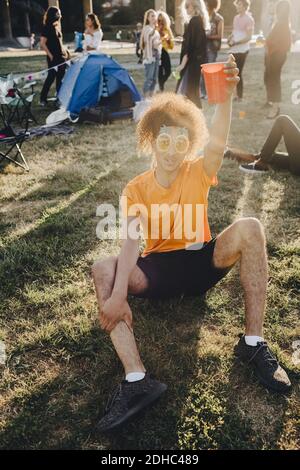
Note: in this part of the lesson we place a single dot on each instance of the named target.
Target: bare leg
(122, 338)
(244, 241)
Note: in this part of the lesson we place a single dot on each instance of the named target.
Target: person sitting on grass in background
(170, 201)
(284, 127)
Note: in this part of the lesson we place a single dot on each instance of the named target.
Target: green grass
(61, 367)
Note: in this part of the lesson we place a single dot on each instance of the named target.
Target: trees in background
(133, 13)
(5, 19)
(21, 17)
(16, 16)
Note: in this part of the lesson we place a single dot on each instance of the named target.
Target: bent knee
(251, 229)
(102, 268)
(284, 120)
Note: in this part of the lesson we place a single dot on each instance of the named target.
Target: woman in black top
(278, 44)
(51, 43)
(194, 49)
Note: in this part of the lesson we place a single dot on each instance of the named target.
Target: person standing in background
(32, 41)
(93, 34)
(278, 44)
(51, 43)
(215, 36)
(137, 35)
(167, 39)
(239, 40)
(194, 49)
(151, 47)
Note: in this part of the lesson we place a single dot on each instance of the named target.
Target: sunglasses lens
(182, 144)
(163, 142)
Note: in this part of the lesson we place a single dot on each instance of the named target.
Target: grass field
(61, 367)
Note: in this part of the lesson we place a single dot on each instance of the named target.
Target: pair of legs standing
(240, 59)
(272, 78)
(284, 127)
(151, 76)
(52, 75)
(233, 245)
(164, 69)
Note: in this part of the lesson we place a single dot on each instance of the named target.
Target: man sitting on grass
(180, 258)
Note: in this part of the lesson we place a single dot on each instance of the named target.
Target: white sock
(135, 376)
(253, 340)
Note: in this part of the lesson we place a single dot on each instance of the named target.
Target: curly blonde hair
(170, 109)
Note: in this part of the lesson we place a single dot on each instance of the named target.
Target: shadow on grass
(59, 239)
(63, 412)
(234, 413)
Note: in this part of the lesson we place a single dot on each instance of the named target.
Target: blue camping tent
(92, 77)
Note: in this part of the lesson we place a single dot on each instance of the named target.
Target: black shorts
(180, 272)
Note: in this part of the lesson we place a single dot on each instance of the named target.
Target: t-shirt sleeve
(129, 203)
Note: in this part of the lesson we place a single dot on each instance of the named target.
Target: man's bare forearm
(220, 125)
(219, 132)
(126, 262)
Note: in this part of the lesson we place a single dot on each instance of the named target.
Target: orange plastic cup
(215, 82)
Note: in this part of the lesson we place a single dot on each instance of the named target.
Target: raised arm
(220, 127)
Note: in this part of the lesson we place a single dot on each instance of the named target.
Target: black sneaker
(129, 399)
(266, 367)
(253, 169)
(240, 156)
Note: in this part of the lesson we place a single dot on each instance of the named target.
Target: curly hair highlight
(171, 110)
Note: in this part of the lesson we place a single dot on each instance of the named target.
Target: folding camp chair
(19, 106)
(10, 141)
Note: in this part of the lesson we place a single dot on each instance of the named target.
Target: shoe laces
(265, 353)
(113, 398)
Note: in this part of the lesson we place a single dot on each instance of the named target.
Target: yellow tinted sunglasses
(164, 143)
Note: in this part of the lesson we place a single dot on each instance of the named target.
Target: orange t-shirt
(173, 218)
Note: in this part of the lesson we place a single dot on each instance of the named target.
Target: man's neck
(165, 178)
